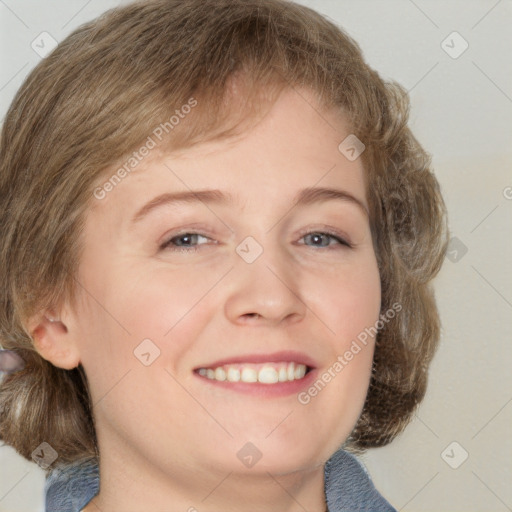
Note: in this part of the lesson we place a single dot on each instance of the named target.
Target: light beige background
(462, 113)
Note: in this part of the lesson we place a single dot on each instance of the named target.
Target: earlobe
(53, 342)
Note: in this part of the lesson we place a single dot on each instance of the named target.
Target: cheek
(348, 304)
(348, 301)
(157, 302)
(170, 308)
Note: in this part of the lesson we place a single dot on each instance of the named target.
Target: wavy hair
(99, 95)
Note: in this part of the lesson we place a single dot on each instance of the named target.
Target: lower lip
(264, 390)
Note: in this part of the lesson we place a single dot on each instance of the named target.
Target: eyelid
(342, 237)
(167, 241)
(331, 231)
(196, 229)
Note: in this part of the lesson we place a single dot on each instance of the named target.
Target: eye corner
(341, 238)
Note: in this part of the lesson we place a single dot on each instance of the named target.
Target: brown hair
(102, 92)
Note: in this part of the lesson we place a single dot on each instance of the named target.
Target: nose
(265, 292)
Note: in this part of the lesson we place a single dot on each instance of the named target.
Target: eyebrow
(305, 197)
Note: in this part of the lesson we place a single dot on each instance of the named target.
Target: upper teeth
(266, 373)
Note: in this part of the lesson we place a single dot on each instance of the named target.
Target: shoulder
(69, 488)
(348, 486)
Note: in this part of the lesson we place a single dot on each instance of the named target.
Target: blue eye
(183, 241)
(189, 241)
(319, 236)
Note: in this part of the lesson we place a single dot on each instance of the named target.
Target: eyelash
(169, 245)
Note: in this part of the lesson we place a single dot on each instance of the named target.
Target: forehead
(296, 144)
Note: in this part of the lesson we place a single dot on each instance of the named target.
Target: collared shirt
(347, 485)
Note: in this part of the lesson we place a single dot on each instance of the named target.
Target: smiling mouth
(263, 373)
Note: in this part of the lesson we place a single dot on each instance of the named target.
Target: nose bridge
(264, 284)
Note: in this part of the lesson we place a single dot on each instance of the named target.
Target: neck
(135, 487)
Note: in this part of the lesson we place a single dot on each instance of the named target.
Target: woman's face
(236, 282)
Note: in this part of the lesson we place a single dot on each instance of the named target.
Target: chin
(280, 455)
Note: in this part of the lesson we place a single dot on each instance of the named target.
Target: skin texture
(169, 439)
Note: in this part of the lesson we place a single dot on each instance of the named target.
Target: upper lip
(274, 357)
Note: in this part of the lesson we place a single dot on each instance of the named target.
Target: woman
(217, 242)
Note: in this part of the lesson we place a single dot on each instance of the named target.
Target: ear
(53, 339)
